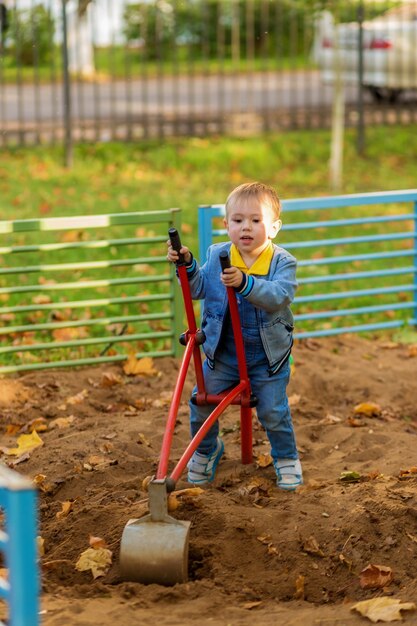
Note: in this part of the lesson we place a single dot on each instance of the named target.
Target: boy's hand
(173, 256)
(231, 277)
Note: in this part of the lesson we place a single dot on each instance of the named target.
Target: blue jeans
(272, 409)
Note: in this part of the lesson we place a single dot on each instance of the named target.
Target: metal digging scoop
(154, 548)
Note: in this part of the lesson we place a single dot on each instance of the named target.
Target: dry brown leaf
(97, 542)
(251, 605)
(109, 379)
(97, 560)
(375, 576)
(66, 507)
(370, 409)
(143, 367)
(13, 429)
(142, 439)
(62, 422)
(41, 483)
(383, 609)
(408, 473)
(299, 588)
(78, 398)
(294, 399)
(39, 424)
(263, 460)
(70, 333)
(330, 420)
(354, 422)
(173, 502)
(40, 542)
(311, 546)
(412, 351)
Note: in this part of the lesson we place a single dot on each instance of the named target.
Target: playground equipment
(154, 548)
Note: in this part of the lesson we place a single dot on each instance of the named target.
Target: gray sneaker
(289, 474)
(202, 467)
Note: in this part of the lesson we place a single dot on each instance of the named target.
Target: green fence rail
(86, 290)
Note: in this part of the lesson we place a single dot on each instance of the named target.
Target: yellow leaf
(66, 508)
(134, 366)
(370, 409)
(25, 443)
(383, 609)
(98, 560)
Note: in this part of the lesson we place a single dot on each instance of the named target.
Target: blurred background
(102, 70)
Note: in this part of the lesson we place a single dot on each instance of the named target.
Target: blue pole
(21, 557)
(414, 320)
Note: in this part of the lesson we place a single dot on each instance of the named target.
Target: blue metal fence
(373, 252)
(19, 548)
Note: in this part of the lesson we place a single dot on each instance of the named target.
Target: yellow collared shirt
(261, 265)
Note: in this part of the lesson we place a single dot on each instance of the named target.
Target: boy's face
(250, 226)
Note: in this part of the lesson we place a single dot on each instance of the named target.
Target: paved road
(196, 95)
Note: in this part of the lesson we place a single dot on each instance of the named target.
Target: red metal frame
(241, 394)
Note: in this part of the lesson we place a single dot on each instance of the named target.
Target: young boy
(263, 276)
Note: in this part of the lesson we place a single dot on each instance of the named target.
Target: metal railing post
(414, 320)
(68, 143)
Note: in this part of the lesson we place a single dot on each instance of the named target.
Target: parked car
(389, 51)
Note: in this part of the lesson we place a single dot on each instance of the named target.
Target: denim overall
(272, 409)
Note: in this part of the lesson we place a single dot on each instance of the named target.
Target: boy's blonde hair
(254, 191)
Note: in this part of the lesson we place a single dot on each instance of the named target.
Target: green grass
(119, 62)
(112, 178)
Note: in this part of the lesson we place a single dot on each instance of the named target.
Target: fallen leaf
(251, 605)
(350, 477)
(98, 560)
(294, 399)
(40, 542)
(97, 542)
(354, 422)
(144, 366)
(69, 333)
(330, 419)
(142, 439)
(109, 379)
(13, 429)
(25, 444)
(412, 351)
(375, 576)
(311, 546)
(39, 424)
(408, 473)
(299, 588)
(78, 398)
(383, 609)
(66, 507)
(370, 409)
(263, 460)
(62, 422)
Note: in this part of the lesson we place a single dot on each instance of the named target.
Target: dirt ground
(257, 555)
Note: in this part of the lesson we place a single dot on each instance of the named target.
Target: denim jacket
(271, 295)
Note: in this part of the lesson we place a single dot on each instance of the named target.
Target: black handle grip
(224, 260)
(176, 244)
